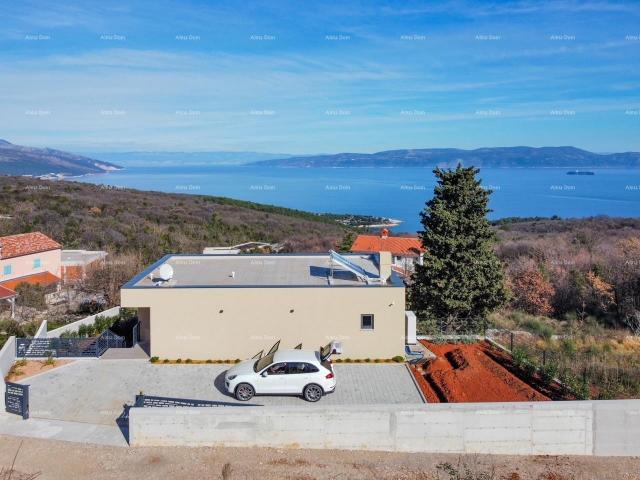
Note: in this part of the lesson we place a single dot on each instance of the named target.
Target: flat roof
(266, 270)
(81, 257)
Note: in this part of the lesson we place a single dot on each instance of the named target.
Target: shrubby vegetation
(146, 225)
(578, 270)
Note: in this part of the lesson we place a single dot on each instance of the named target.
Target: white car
(288, 372)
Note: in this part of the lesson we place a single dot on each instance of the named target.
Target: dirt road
(62, 460)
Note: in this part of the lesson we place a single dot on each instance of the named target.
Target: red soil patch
(467, 373)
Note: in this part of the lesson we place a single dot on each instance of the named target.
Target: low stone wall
(536, 428)
(112, 312)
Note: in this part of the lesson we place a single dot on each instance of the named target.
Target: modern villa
(234, 306)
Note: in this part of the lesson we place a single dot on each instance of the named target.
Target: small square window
(366, 321)
(37, 263)
(7, 270)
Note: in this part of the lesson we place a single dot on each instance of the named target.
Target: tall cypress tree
(461, 279)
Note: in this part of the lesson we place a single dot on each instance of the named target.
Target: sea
(396, 193)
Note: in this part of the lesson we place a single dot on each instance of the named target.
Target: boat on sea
(580, 172)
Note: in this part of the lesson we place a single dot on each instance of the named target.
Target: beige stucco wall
(20, 266)
(229, 323)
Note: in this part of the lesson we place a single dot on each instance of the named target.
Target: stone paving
(97, 391)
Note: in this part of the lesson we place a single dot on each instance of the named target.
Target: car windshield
(263, 363)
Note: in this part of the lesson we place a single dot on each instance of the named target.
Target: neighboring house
(247, 247)
(406, 251)
(234, 306)
(30, 258)
(76, 263)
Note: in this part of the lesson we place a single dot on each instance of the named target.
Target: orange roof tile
(44, 278)
(405, 246)
(26, 244)
(6, 293)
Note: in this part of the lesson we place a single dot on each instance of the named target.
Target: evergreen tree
(461, 279)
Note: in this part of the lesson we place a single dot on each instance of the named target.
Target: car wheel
(244, 392)
(312, 392)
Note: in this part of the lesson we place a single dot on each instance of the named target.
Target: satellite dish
(165, 273)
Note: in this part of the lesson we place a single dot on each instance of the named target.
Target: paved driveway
(96, 391)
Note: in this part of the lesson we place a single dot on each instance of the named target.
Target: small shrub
(347, 360)
(367, 360)
(209, 361)
(549, 372)
(237, 360)
(398, 359)
(166, 360)
(188, 360)
(50, 360)
(337, 360)
(377, 360)
(179, 360)
(357, 360)
(154, 359)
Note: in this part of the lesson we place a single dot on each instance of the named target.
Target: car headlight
(231, 377)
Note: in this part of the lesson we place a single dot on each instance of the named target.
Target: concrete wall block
(559, 437)
(498, 447)
(613, 429)
(569, 422)
(484, 434)
(498, 419)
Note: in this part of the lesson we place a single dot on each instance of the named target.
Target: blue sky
(319, 76)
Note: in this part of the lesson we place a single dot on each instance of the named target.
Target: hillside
(20, 160)
(565, 157)
(149, 224)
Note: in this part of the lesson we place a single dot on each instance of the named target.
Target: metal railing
(143, 400)
(68, 347)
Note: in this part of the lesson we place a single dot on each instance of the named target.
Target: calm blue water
(394, 192)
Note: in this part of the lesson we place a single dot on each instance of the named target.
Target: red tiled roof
(405, 246)
(6, 293)
(26, 244)
(44, 278)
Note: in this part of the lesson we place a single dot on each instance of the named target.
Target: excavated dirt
(470, 373)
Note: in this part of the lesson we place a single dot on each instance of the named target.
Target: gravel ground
(62, 460)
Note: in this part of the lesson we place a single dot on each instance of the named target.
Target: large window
(301, 367)
(6, 270)
(37, 263)
(366, 321)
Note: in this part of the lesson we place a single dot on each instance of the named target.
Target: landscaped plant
(166, 360)
(209, 361)
(50, 360)
(179, 360)
(154, 359)
(398, 359)
(188, 360)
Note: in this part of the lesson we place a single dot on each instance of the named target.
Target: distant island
(497, 157)
(47, 162)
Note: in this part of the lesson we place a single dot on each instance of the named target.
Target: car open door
(274, 349)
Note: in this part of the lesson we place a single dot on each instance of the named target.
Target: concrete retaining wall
(112, 312)
(7, 357)
(537, 428)
(42, 330)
